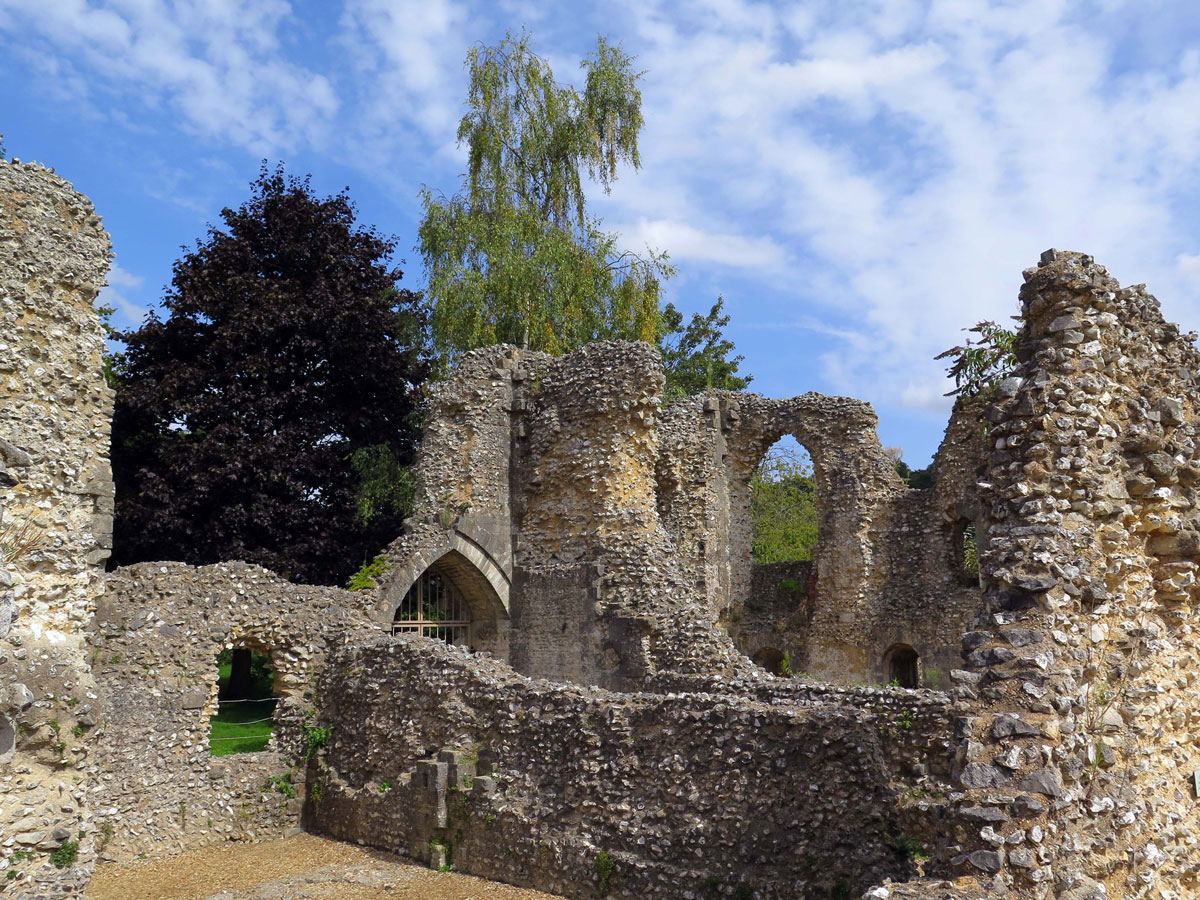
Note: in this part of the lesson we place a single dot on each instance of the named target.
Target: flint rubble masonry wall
(156, 783)
(1080, 690)
(54, 256)
(786, 792)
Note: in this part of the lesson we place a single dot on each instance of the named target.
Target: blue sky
(859, 180)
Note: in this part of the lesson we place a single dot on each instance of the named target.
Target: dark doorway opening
(768, 658)
(902, 667)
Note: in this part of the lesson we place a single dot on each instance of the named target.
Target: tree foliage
(979, 366)
(514, 257)
(267, 416)
(783, 508)
(914, 478)
(696, 357)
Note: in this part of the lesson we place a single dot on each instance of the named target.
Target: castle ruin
(566, 660)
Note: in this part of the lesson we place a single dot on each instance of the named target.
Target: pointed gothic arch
(456, 592)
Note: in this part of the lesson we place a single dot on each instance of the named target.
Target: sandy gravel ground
(295, 868)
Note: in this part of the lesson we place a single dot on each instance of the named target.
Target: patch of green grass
(238, 727)
(234, 729)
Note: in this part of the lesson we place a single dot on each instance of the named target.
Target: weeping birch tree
(514, 257)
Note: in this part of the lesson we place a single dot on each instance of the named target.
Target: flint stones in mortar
(980, 775)
(1012, 726)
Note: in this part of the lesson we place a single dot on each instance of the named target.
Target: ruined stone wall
(1080, 681)
(773, 621)
(54, 257)
(885, 573)
(436, 752)
(589, 501)
(929, 597)
(155, 640)
(462, 519)
(602, 539)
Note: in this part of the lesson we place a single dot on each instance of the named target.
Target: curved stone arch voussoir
(482, 580)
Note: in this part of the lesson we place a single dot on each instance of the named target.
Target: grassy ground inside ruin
(235, 729)
(239, 726)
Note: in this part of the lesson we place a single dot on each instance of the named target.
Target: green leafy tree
(514, 257)
(696, 357)
(979, 366)
(269, 416)
(783, 509)
(914, 478)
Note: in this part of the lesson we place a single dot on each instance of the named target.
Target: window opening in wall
(245, 703)
(966, 551)
(902, 666)
(434, 607)
(783, 505)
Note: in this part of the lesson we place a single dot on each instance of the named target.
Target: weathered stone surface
(979, 775)
(54, 429)
(1042, 781)
(1007, 726)
(664, 782)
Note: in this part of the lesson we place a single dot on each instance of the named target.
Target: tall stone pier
(57, 524)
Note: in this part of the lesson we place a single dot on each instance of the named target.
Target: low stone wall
(437, 753)
(155, 639)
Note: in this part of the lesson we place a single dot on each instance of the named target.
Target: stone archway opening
(453, 601)
(902, 665)
(434, 607)
(774, 533)
(783, 505)
(244, 719)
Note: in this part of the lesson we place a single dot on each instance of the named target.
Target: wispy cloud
(919, 154)
(121, 281)
(408, 59)
(686, 242)
(218, 63)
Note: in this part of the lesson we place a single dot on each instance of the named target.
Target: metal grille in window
(433, 607)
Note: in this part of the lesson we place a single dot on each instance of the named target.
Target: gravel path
(295, 868)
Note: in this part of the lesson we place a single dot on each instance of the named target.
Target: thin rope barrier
(264, 700)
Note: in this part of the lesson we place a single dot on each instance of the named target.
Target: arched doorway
(450, 599)
(783, 505)
(901, 662)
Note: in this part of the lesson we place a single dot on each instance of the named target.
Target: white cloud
(919, 155)
(686, 242)
(218, 63)
(121, 281)
(407, 55)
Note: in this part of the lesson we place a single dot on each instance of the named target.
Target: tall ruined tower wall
(54, 256)
(1081, 672)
